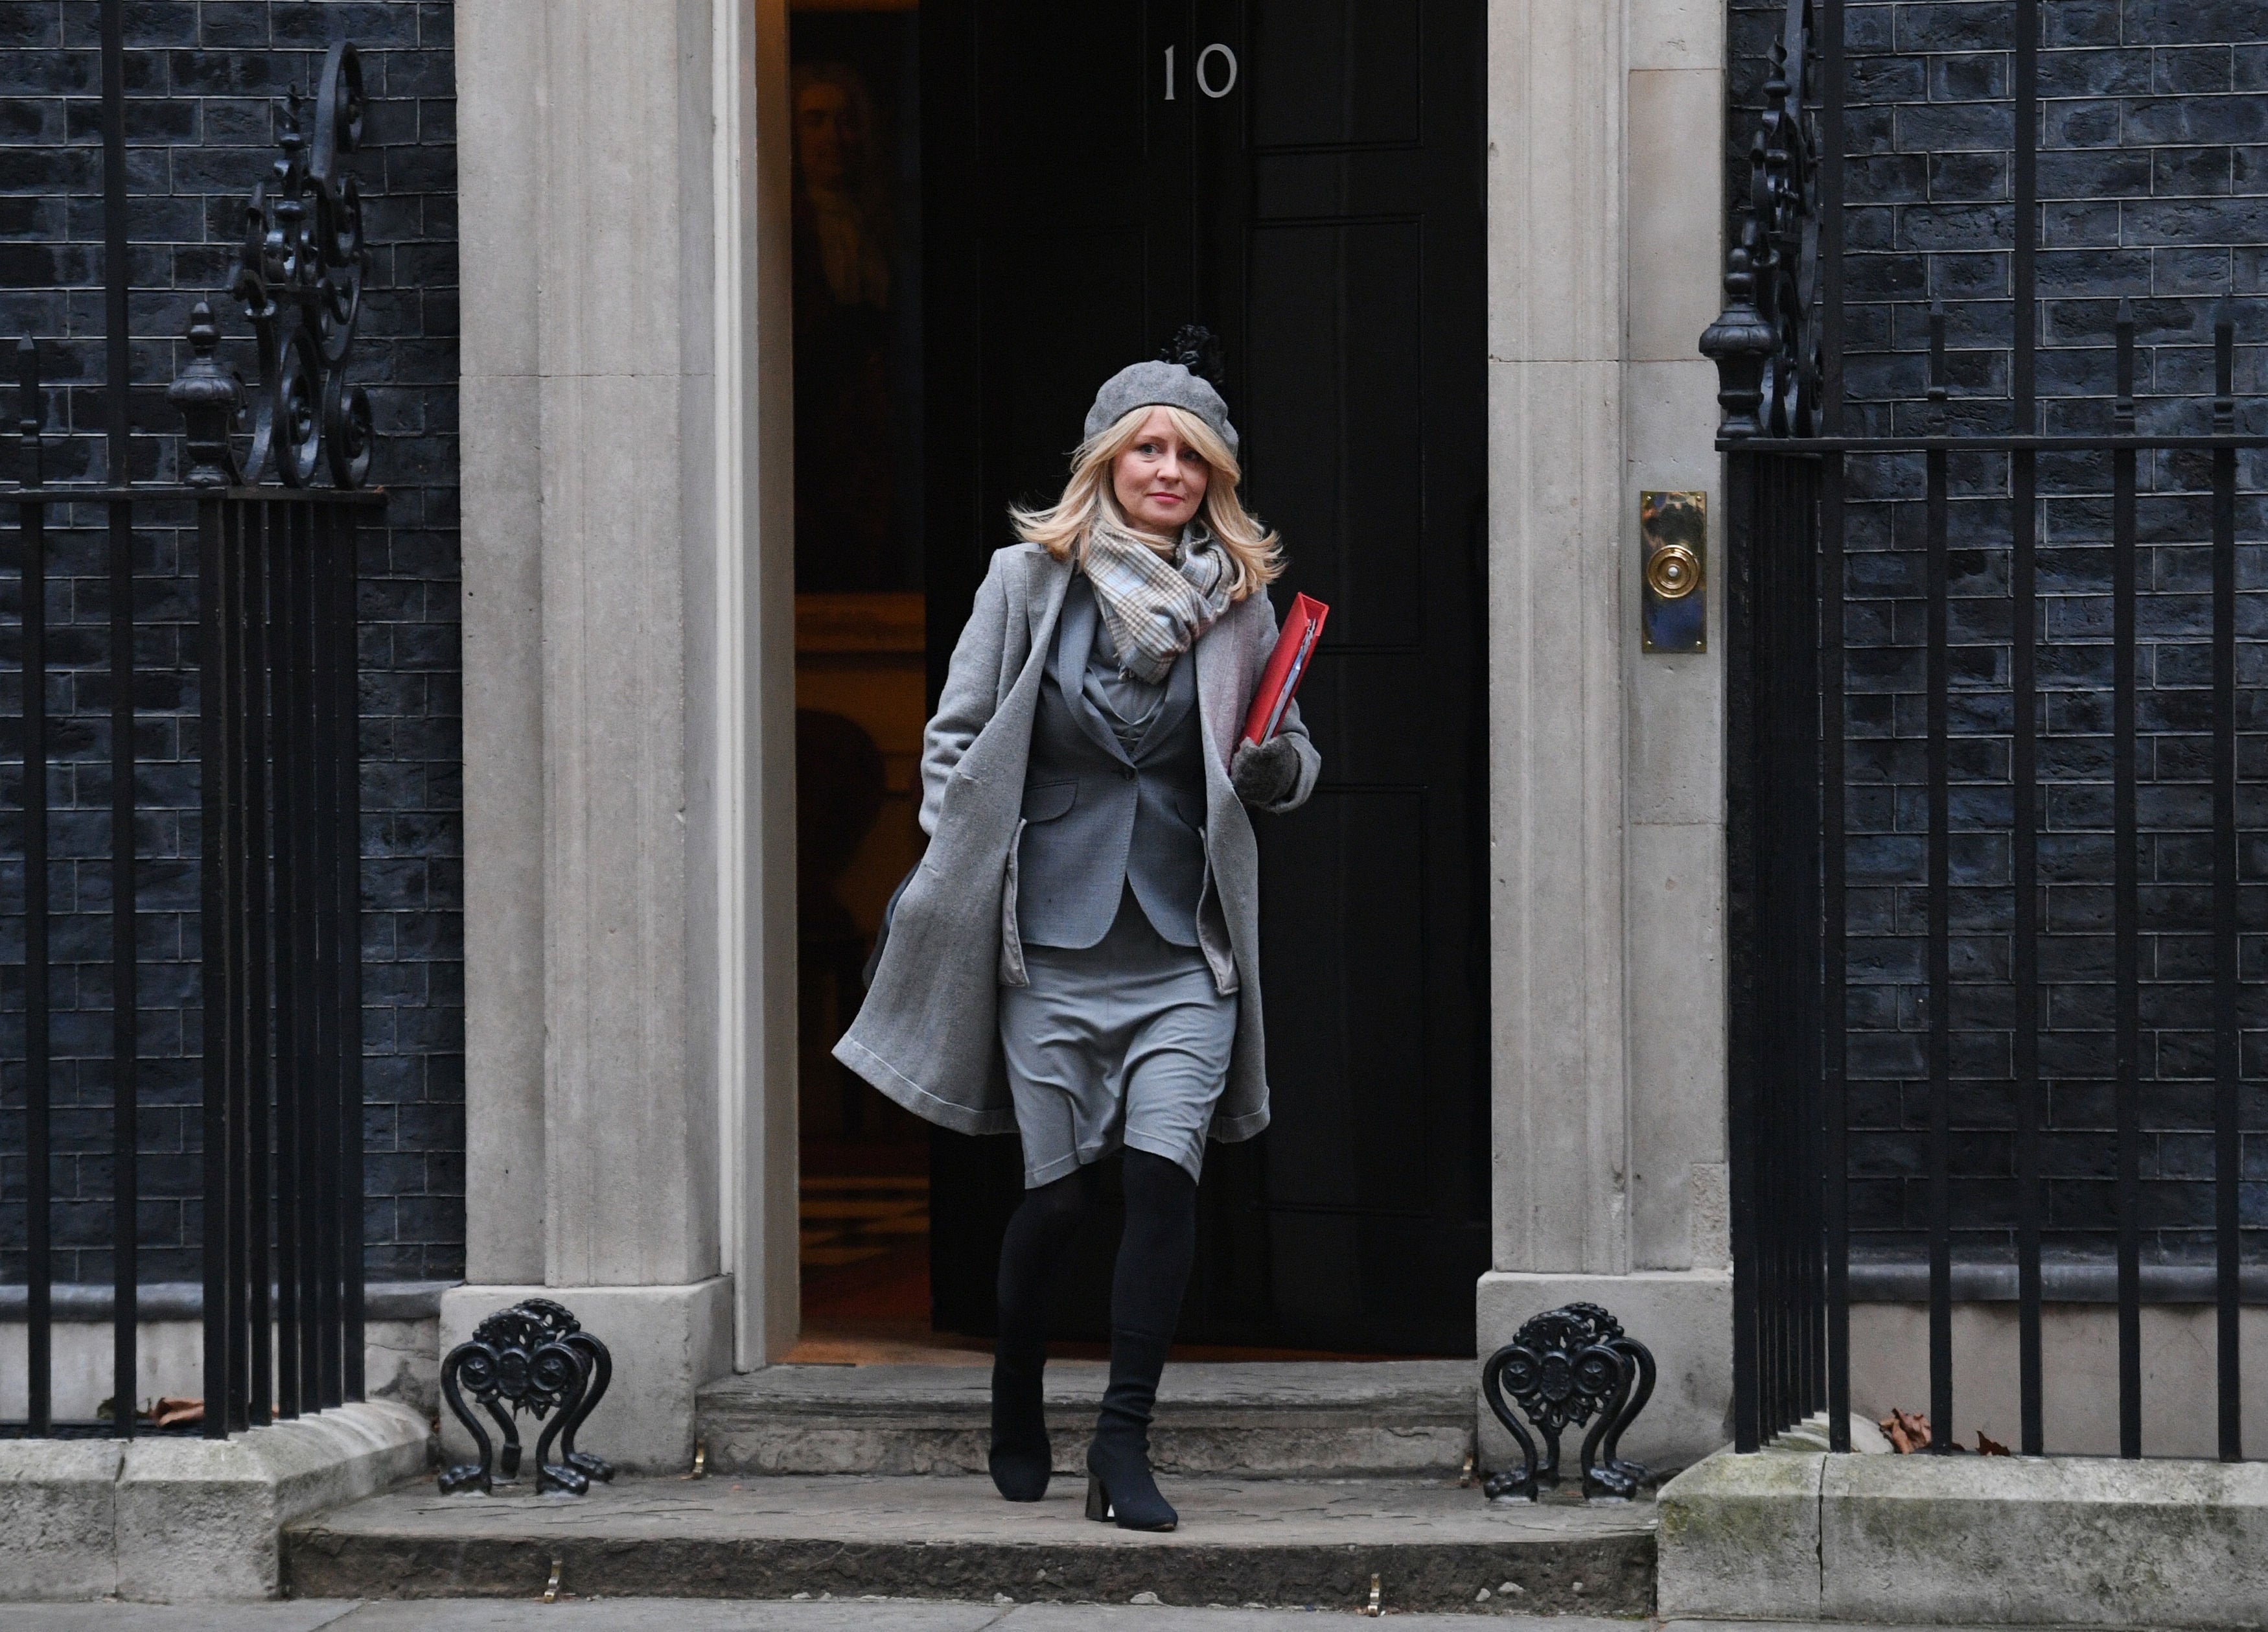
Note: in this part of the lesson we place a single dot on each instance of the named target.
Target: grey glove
(1265, 773)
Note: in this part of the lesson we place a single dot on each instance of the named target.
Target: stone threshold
(2036, 1541)
(1265, 1419)
(1431, 1545)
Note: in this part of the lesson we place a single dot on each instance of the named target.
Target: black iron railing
(281, 930)
(1798, 692)
(277, 844)
(283, 944)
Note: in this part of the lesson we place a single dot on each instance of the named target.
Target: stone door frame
(629, 676)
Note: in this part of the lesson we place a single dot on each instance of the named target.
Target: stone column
(1604, 182)
(1555, 171)
(755, 683)
(1674, 845)
(595, 832)
(497, 111)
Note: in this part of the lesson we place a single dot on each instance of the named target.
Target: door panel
(1336, 71)
(1357, 856)
(1337, 382)
(1070, 302)
(1324, 218)
(1038, 62)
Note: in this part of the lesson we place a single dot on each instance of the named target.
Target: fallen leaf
(1989, 1447)
(1908, 1431)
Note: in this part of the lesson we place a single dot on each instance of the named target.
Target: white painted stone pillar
(1675, 801)
(1607, 844)
(630, 837)
(624, 334)
(498, 110)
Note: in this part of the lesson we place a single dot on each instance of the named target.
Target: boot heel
(1097, 1500)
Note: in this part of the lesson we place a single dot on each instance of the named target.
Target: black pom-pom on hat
(1197, 349)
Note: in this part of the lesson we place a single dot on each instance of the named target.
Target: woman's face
(1160, 481)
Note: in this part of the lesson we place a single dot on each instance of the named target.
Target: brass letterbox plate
(1674, 570)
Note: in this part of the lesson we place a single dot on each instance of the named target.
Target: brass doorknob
(1672, 572)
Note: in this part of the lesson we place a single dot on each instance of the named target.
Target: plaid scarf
(1155, 608)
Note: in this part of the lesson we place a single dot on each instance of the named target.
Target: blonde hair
(1254, 550)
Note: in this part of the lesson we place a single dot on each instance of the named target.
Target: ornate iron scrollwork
(299, 274)
(1767, 342)
(533, 1358)
(1564, 1368)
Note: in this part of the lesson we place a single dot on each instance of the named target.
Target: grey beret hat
(1158, 385)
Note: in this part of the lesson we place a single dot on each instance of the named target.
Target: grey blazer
(928, 1034)
(1098, 818)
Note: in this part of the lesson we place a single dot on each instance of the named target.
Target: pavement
(677, 1615)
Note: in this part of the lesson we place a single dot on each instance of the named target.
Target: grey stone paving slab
(1290, 1419)
(1432, 1544)
(1845, 1626)
(664, 1615)
(1123, 1618)
(302, 1616)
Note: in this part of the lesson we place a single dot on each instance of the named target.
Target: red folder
(1287, 666)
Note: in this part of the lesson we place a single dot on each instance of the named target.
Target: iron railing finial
(211, 401)
(1766, 343)
(2122, 407)
(31, 408)
(1935, 387)
(2224, 370)
(1741, 344)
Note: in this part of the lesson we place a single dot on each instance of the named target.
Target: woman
(1077, 955)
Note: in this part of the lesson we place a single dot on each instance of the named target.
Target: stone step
(1257, 1419)
(1430, 1545)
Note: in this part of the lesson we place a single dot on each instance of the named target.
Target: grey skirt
(1126, 1042)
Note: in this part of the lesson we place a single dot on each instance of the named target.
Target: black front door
(1304, 177)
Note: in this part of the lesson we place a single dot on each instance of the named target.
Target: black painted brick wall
(2153, 177)
(203, 78)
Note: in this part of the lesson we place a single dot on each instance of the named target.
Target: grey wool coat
(928, 1034)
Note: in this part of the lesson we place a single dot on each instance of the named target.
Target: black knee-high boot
(1039, 1229)
(1146, 1300)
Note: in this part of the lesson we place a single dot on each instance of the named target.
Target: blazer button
(1126, 772)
